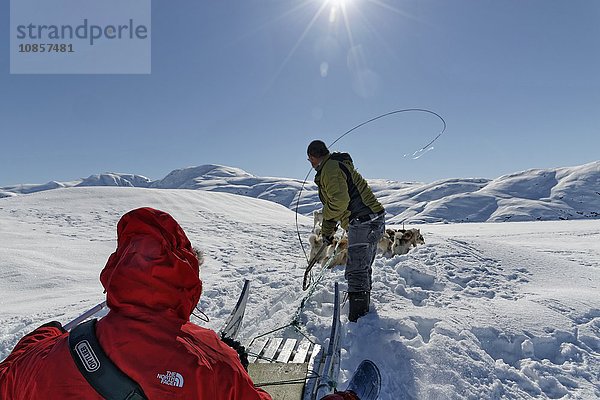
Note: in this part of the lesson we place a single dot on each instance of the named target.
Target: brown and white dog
(405, 239)
(341, 257)
(317, 221)
(316, 240)
(384, 246)
(393, 242)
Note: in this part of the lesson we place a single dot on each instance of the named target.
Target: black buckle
(369, 217)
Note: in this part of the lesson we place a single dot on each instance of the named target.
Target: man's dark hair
(317, 148)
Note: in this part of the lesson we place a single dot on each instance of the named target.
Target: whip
(415, 155)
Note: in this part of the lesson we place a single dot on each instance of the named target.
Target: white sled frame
(321, 365)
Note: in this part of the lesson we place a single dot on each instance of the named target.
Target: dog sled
(292, 367)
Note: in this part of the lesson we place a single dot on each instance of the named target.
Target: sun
(338, 3)
(337, 9)
(339, 14)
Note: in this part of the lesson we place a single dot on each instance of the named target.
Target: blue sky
(250, 83)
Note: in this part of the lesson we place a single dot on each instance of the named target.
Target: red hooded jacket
(152, 285)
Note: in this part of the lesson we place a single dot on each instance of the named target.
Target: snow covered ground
(481, 311)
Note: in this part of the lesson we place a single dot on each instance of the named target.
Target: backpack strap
(95, 366)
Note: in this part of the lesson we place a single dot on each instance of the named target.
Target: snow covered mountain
(537, 194)
(481, 311)
(108, 179)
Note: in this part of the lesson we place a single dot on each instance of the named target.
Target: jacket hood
(154, 272)
(337, 156)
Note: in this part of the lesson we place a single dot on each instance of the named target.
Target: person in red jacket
(152, 286)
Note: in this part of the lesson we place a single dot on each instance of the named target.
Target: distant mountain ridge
(535, 194)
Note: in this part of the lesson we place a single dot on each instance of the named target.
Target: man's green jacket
(345, 194)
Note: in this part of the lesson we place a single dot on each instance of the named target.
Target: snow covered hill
(537, 194)
(481, 311)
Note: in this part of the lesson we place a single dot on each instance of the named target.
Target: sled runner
(234, 322)
(295, 368)
(92, 312)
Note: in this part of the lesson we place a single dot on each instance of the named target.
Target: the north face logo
(171, 379)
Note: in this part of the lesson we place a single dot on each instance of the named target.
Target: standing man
(347, 198)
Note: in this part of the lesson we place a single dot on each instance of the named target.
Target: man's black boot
(359, 305)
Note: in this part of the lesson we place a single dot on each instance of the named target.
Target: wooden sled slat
(270, 350)
(316, 351)
(287, 350)
(301, 352)
(256, 349)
